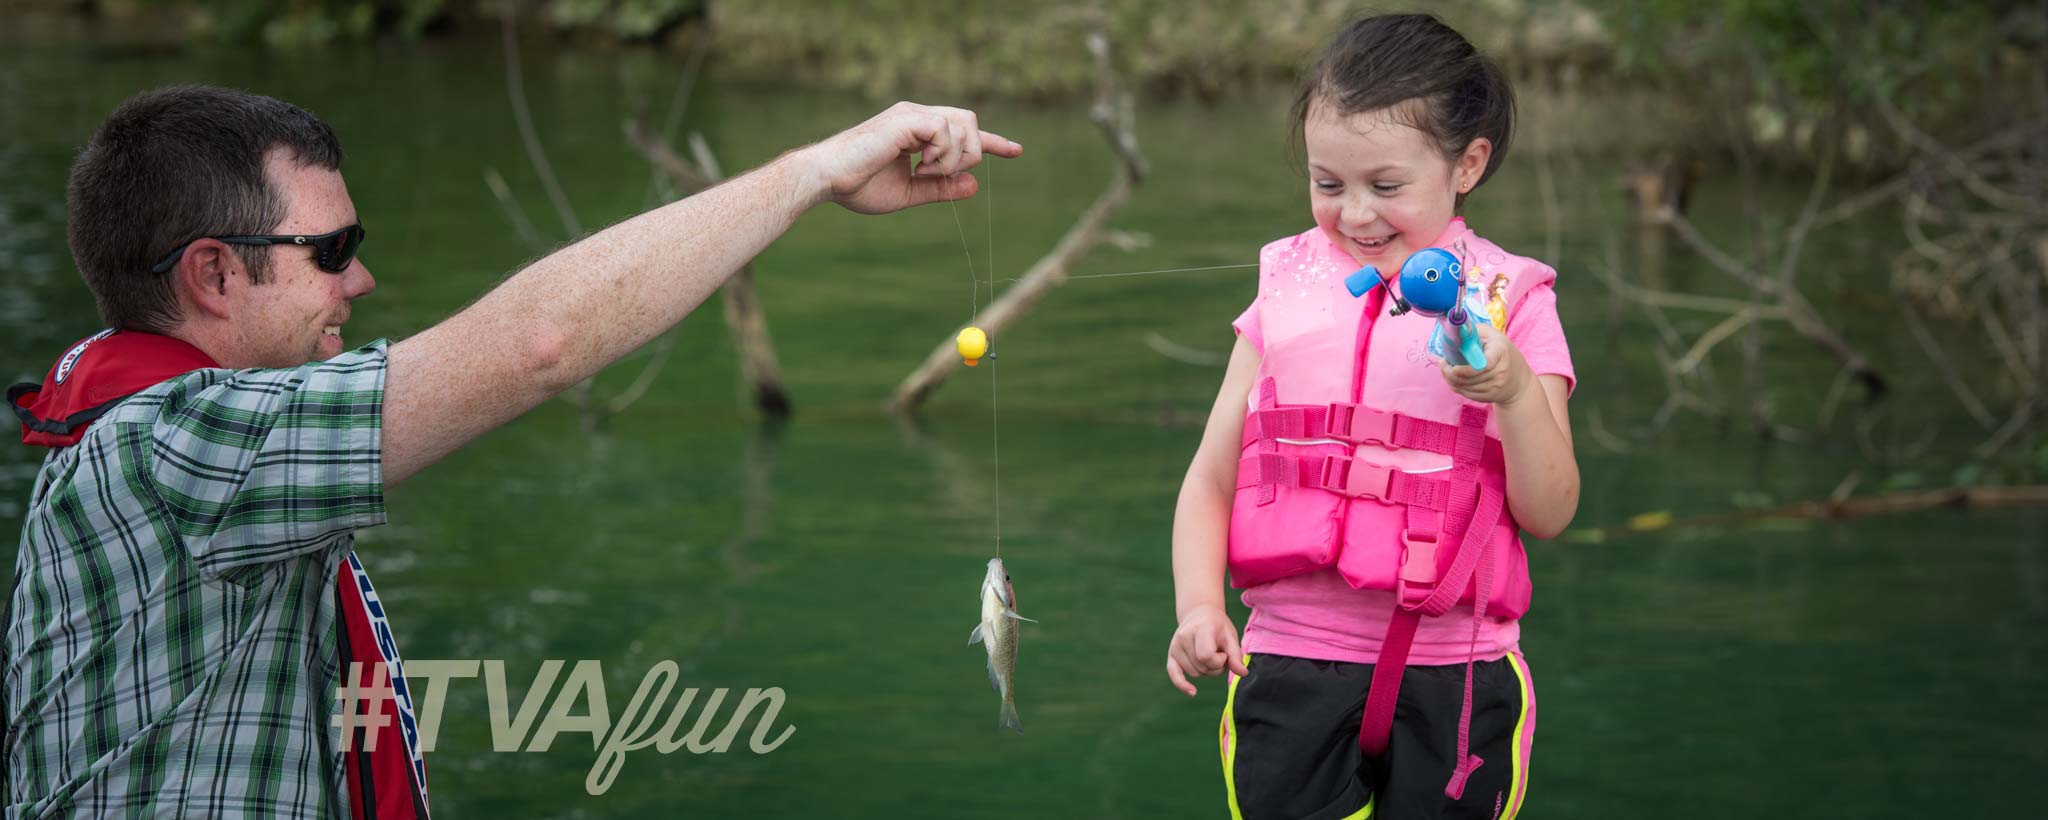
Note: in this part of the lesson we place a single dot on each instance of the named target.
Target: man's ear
(203, 274)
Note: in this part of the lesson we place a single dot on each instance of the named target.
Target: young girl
(1367, 498)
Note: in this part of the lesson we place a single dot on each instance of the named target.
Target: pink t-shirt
(1319, 615)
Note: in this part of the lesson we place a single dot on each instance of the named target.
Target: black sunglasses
(331, 251)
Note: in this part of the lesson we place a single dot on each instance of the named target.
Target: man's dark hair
(173, 165)
(1384, 61)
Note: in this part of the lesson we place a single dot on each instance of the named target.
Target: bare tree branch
(515, 88)
(1797, 311)
(1700, 348)
(1973, 405)
(744, 317)
(515, 214)
(1114, 114)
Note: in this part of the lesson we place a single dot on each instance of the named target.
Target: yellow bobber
(973, 344)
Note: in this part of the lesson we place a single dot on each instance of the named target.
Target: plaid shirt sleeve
(255, 466)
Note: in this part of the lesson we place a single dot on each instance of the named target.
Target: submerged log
(1836, 508)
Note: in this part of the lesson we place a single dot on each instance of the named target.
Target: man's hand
(1506, 379)
(867, 167)
(1205, 644)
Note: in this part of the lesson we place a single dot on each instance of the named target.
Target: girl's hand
(1506, 379)
(1205, 644)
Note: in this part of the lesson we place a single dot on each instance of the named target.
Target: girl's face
(1381, 188)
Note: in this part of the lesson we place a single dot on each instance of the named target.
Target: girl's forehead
(1381, 135)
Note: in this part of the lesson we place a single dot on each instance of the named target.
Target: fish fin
(1013, 613)
(993, 681)
(975, 636)
(1009, 718)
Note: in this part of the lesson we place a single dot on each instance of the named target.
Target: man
(188, 596)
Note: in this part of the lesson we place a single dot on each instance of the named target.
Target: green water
(1887, 667)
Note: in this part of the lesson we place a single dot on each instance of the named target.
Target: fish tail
(1009, 719)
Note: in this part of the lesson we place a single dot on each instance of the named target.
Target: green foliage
(625, 19)
(1930, 58)
(298, 23)
(1206, 48)
(1201, 48)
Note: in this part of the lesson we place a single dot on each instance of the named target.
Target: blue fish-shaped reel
(1432, 283)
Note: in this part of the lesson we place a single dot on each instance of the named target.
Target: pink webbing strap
(1268, 394)
(1490, 504)
(1386, 682)
(1479, 508)
(1349, 423)
(1427, 436)
(1358, 425)
(1474, 553)
(1344, 476)
(1418, 566)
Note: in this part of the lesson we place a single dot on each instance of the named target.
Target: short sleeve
(1247, 326)
(255, 466)
(1539, 334)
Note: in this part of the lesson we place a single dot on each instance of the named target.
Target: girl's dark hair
(173, 165)
(1383, 61)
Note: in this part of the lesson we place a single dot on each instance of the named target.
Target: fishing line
(974, 306)
(1145, 272)
(974, 281)
(995, 430)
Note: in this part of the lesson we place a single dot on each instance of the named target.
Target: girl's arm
(1535, 433)
(1543, 473)
(1206, 641)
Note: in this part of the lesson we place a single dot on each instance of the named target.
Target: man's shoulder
(359, 370)
(236, 407)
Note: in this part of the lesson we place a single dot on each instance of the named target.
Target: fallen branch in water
(1113, 113)
(1835, 508)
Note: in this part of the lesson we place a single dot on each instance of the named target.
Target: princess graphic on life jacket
(1371, 503)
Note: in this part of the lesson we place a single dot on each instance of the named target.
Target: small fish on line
(998, 633)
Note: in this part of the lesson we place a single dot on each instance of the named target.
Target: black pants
(1290, 741)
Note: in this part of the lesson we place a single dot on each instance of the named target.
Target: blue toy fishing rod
(1431, 283)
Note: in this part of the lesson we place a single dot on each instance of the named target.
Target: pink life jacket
(1357, 455)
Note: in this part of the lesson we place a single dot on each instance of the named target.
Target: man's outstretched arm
(571, 314)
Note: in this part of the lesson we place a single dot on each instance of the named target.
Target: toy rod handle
(1468, 344)
(1363, 280)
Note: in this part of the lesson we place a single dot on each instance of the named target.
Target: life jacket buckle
(1337, 420)
(1418, 574)
(1336, 474)
(1376, 427)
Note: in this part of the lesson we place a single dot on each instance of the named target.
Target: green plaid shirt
(173, 646)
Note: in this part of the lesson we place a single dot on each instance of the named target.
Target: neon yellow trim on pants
(1518, 776)
(1226, 737)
